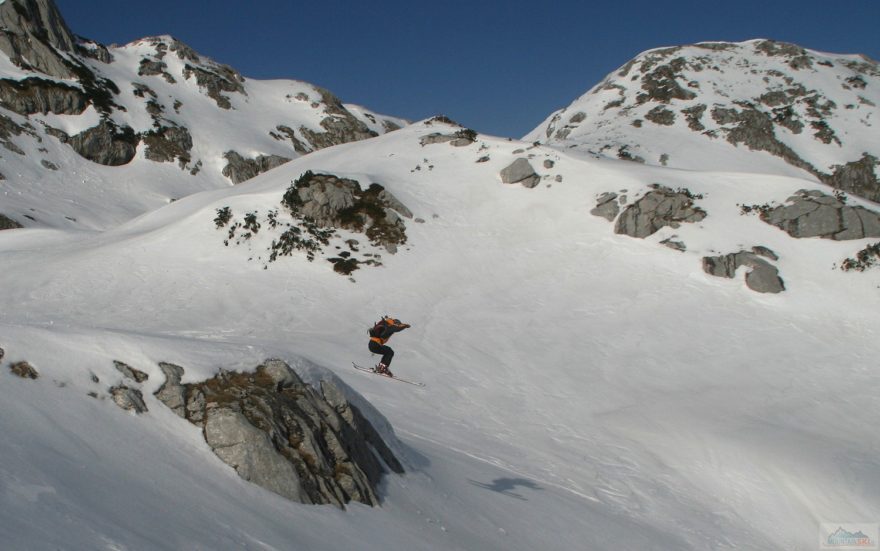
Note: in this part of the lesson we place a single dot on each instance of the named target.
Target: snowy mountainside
(760, 105)
(585, 389)
(91, 136)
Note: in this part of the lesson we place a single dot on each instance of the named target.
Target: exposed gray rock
(606, 206)
(34, 34)
(435, 137)
(7, 223)
(674, 244)
(172, 393)
(548, 164)
(249, 451)
(48, 164)
(215, 79)
(762, 278)
(282, 434)
(129, 399)
(334, 202)
(130, 372)
(520, 171)
(340, 126)
(24, 370)
(765, 252)
(856, 177)
(661, 115)
(239, 169)
(658, 208)
(37, 95)
(290, 134)
(106, 144)
(814, 214)
(169, 143)
(2, 353)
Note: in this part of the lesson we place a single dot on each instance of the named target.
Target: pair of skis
(374, 372)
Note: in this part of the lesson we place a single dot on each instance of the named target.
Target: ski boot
(382, 369)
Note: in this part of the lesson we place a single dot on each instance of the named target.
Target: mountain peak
(767, 105)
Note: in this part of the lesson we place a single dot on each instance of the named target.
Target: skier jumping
(379, 335)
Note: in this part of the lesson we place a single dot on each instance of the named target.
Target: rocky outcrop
(763, 276)
(37, 95)
(520, 171)
(815, 214)
(167, 144)
(460, 138)
(656, 209)
(607, 206)
(106, 144)
(8, 223)
(34, 35)
(130, 372)
(129, 399)
(239, 169)
(340, 126)
(24, 370)
(215, 79)
(856, 177)
(334, 202)
(308, 445)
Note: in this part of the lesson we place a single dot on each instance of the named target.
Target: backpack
(378, 330)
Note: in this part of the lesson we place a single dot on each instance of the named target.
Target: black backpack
(378, 330)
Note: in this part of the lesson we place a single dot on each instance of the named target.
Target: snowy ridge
(585, 389)
(186, 113)
(760, 106)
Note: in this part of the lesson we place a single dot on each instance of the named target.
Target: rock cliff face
(306, 444)
(766, 105)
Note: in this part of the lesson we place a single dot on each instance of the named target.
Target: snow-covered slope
(585, 390)
(100, 135)
(759, 106)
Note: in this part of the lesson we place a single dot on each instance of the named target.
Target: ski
(374, 372)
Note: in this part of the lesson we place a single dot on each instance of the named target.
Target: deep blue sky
(499, 67)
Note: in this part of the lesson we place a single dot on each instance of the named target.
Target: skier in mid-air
(379, 335)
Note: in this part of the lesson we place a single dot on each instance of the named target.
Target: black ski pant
(386, 352)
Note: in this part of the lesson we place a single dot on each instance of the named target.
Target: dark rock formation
(857, 177)
(130, 372)
(814, 214)
(284, 435)
(607, 206)
(24, 370)
(520, 171)
(460, 138)
(658, 208)
(37, 95)
(238, 169)
(169, 143)
(130, 399)
(333, 202)
(106, 144)
(214, 79)
(8, 223)
(172, 392)
(34, 34)
(762, 278)
(340, 126)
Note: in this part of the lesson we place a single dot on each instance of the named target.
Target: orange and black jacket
(383, 330)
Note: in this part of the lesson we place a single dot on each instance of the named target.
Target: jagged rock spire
(33, 34)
